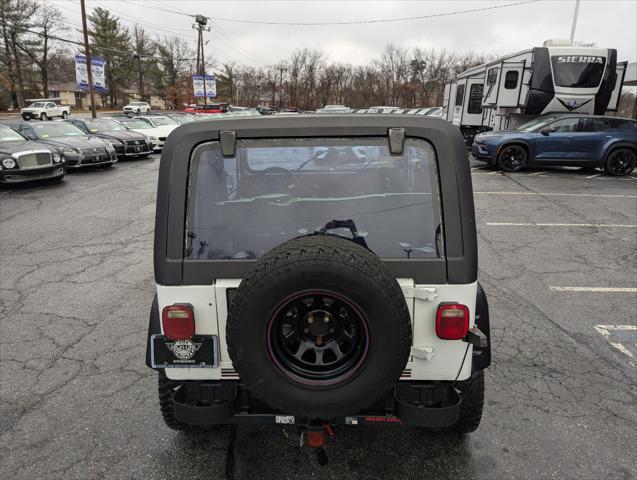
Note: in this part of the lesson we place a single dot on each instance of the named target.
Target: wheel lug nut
(306, 330)
(310, 319)
(326, 319)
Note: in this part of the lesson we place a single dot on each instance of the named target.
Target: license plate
(201, 351)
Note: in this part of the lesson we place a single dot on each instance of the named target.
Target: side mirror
(546, 131)
(31, 136)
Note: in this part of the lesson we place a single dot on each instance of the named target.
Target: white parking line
(600, 225)
(594, 289)
(535, 173)
(620, 337)
(558, 194)
(595, 175)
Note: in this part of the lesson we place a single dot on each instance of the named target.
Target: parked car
(45, 110)
(137, 108)
(78, 148)
(126, 142)
(209, 108)
(263, 316)
(23, 160)
(382, 109)
(563, 139)
(155, 127)
(334, 109)
(434, 112)
(179, 117)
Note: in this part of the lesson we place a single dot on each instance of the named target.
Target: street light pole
(87, 54)
(200, 24)
(575, 13)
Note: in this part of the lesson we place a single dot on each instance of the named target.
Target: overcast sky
(608, 23)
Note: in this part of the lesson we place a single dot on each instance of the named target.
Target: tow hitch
(313, 436)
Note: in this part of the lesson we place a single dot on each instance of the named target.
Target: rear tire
(138, 111)
(65, 115)
(513, 158)
(620, 162)
(43, 116)
(472, 394)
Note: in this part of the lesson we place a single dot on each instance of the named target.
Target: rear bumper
(424, 404)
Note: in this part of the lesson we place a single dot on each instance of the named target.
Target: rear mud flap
(192, 404)
(427, 405)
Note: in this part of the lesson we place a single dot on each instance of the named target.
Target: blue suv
(566, 140)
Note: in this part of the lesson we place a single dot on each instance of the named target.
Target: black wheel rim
(621, 162)
(513, 158)
(317, 338)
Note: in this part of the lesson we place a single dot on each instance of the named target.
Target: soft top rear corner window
(276, 189)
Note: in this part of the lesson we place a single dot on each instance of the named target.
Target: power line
(131, 20)
(380, 20)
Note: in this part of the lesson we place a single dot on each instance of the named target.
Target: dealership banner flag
(81, 73)
(198, 84)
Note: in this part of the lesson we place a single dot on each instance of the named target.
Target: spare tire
(319, 328)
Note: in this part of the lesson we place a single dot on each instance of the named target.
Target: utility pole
(281, 70)
(89, 66)
(575, 13)
(201, 25)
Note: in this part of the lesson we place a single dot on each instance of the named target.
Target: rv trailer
(556, 77)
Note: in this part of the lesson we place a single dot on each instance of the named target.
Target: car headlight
(57, 158)
(153, 138)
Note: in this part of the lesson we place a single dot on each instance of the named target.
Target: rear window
(273, 190)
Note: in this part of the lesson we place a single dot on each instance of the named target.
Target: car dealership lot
(557, 259)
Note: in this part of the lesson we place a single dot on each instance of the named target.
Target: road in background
(78, 402)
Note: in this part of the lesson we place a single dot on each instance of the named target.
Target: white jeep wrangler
(318, 271)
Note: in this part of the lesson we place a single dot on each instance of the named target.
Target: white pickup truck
(44, 110)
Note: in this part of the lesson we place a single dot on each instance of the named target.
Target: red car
(211, 108)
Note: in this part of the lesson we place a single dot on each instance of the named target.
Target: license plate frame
(205, 355)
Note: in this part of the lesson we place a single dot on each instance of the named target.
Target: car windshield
(136, 123)
(163, 121)
(56, 129)
(535, 124)
(578, 71)
(9, 135)
(274, 190)
(103, 126)
(37, 105)
(181, 119)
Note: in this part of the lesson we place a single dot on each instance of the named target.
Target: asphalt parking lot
(558, 260)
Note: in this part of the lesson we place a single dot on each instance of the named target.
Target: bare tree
(48, 23)
(144, 50)
(14, 21)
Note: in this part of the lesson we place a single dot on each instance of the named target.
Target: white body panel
(431, 359)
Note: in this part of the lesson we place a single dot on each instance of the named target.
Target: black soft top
(460, 264)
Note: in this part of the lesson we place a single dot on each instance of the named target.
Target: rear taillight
(452, 321)
(178, 322)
